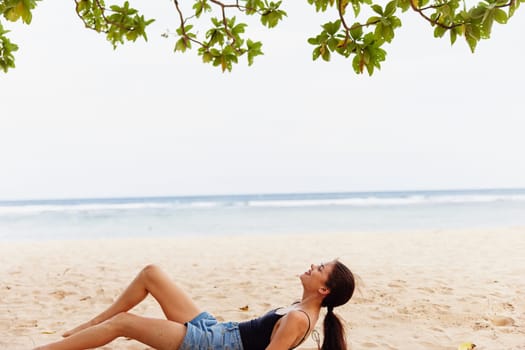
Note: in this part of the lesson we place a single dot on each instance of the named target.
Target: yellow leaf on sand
(466, 346)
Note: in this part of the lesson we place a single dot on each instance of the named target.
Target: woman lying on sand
(188, 328)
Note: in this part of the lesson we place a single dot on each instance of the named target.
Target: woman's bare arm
(291, 330)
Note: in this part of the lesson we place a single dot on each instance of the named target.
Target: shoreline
(418, 289)
(259, 234)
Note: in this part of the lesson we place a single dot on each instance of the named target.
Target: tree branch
(432, 21)
(224, 19)
(182, 22)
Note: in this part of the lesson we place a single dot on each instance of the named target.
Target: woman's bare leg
(176, 305)
(159, 334)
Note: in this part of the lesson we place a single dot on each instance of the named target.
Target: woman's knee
(119, 324)
(151, 268)
(150, 271)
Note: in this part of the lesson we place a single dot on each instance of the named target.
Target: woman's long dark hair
(341, 284)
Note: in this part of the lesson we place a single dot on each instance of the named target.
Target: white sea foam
(260, 201)
(366, 201)
(50, 208)
(388, 201)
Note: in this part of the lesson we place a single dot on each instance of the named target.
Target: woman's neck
(311, 302)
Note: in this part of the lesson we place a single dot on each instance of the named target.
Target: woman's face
(317, 275)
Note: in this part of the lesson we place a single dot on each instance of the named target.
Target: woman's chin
(302, 278)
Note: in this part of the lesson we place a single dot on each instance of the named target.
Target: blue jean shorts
(205, 333)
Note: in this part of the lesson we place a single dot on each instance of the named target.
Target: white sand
(418, 290)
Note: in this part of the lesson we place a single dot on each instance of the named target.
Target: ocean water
(261, 214)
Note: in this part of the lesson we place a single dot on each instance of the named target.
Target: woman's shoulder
(298, 317)
(298, 314)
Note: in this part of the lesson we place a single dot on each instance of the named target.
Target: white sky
(78, 119)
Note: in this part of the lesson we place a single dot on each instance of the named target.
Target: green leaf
(182, 45)
(316, 53)
(356, 31)
(253, 5)
(377, 9)
(239, 28)
(82, 5)
(207, 57)
(439, 32)
(388, 33)
(512, 8)
(325, 53)
(321, 5)
(254, 49)
(390, 8)
(271, 18)
(395, 22)
(25, 10)
(7, 59)
(356, 5)
(332, 43)
(216, 22)
(14, 10)
(500, 16)
(198, 7)
(486, 25)
(188, 28)
(404, 5)
(453, 36)
(373, 19)
(313, 41)
(225, 58)
(12, 15)
(332, 27)
(357, 63)
(472, 35)
(343, 5)
(477, 13)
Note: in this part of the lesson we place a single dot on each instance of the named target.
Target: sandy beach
(417, 290)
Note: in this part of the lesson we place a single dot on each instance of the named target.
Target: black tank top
(256, 333)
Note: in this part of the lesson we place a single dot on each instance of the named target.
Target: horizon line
(218, 195)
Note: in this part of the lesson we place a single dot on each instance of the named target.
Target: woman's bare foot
(79, 328)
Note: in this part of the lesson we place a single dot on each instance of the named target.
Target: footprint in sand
(382, 346)
(61, 294)
(427, 289)
(501, 321)
(369, 345)
(480, 325)
(26, 324)
(502, 307)
(398, 284)
(436, 329)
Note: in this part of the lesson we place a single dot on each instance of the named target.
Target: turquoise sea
(261, 214)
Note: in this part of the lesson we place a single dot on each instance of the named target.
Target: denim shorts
(205, 333)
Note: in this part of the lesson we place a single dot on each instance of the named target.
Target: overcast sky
(78, 119)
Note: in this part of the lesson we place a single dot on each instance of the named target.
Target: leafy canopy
(359, 29)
